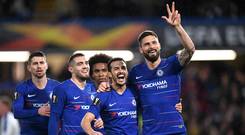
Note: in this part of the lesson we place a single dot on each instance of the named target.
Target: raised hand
(103, 87)
(173, 18)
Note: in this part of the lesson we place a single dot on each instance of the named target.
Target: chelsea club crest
(160, 72)
(92, 97)
(133, 102)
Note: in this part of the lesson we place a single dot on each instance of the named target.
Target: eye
(34, 63)
(124, 67)
(116, 68)
(154, 42)
(147, 44)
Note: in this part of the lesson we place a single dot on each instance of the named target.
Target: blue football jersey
(28, 99)
(118, 111)
(159, 91)
(69, 105)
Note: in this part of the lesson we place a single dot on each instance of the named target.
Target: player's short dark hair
(73, 56)
(144, 34)
(36, 54)
(98, 58)
(112, 60)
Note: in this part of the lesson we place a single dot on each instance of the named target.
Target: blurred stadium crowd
(213, 98)
(26, 9)
(213, 92)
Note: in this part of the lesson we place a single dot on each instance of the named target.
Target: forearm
(20, 113)
(185, 39)
(53, 126)
(86, 123)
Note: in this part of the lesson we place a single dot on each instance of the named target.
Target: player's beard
(82, 78)
(152, 58)
(39, 76)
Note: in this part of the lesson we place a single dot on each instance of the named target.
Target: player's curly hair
(98, 58)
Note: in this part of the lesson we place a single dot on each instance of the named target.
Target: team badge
(50, 95)
(16, 95)
(96, 101)
(133, 102)
(54, 99)
(160, 72)
(92, 97)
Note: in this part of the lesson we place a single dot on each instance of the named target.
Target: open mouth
(121, 77)
(152, 52)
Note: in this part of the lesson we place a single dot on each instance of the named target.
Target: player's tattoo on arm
(185, 56)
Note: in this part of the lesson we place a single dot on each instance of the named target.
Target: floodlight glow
(125, 54)
(213, 55)
(14, 56)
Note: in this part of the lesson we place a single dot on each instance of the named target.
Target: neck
(78, 82)
(40, 83)
(153, 65)
(119, 89)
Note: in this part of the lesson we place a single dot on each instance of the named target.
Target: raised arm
(174, 19)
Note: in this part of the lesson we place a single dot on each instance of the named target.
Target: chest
(121, 106)
(80, 97)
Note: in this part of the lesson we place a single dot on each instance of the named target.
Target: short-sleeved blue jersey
(69, 105)
(118, 111)
(159, 91)
(28, 99)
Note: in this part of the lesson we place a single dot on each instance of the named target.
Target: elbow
(86, 122)
(16, 113)
(192, 50)
(83, 122)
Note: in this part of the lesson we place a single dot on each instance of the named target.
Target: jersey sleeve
(18, 105)
(173, 60)
(98, 104)
(57, 106)
(131, 78)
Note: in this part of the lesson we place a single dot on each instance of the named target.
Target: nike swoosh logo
(138, 77)
(112, 104)
(76, 97)
(31, 95)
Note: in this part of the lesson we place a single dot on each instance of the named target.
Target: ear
(109, 74)
(47, 65)
(140, 49)
(70, 68)
(29, 68)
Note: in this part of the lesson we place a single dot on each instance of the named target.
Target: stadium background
(213, 91)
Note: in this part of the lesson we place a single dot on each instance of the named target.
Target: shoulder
(135, 69)
(104, 95)
(53, 82)
(138, 66)
(131, 91)
(101, 98)
(62, 87)
(22, 86)
(172, 58)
